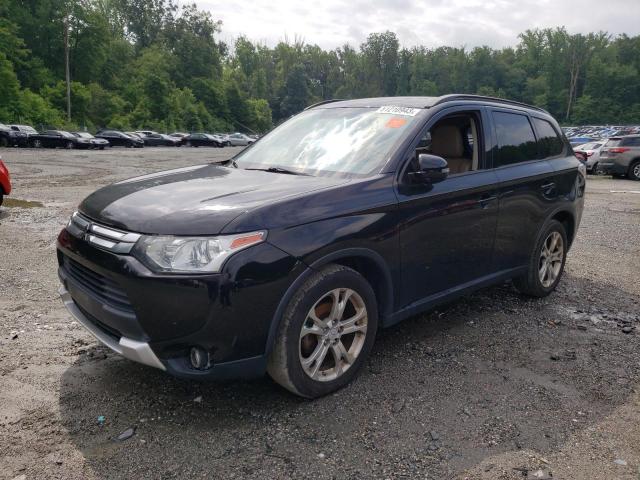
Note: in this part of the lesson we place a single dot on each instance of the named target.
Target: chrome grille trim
(106, 238)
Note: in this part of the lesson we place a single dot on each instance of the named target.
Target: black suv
(349, 217)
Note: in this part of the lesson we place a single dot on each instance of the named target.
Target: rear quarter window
(631, 142)
(516, 141)
(549, 142)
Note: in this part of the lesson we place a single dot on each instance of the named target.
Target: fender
(334, 257)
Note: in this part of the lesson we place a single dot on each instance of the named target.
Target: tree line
(150, 64)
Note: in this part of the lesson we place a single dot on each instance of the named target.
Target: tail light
(618, 150)
(589, 154)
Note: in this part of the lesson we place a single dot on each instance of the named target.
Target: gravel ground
(494, 386)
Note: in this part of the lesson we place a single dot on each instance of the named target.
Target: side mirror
(433, 169)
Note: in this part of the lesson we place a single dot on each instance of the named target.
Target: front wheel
(36, 143)
(326, 333)
(634, 170)
(69, 146)
(546, 264)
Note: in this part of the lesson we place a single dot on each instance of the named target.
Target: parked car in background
(591, 151)
(620, 157)
(116, 138)
(179, 135)
(57, 139)
(574, 141)
(144, 133)
(240, 139)
(12, 138)
(96, 143)
(289, 257)
(5, 181)
(26, 129)
(134, 135)
(224, 138)
(161, 140)
(202, 140)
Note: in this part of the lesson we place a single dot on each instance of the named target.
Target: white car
(240, 139)
(592, 151)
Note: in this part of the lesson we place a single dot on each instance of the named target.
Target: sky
(432, 23)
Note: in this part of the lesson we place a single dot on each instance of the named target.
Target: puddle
(16, 202)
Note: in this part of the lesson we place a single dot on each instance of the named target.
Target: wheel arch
(567, 219)
(366, 262)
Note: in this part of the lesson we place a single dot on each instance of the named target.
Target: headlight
(192, 254)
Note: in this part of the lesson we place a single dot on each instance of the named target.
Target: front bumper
(134, 350)
(611, 168)
(155, 319)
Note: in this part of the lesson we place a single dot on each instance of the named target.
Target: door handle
(486, 199)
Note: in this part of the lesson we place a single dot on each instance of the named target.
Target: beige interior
(446, 142)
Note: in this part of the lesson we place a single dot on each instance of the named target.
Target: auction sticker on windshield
(410, 112)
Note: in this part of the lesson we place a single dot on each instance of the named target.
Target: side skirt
(444, 296)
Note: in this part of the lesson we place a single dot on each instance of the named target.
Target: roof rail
(453, 97)
(323, 102)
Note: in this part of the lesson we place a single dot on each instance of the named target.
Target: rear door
(527, 188)
(568, 180)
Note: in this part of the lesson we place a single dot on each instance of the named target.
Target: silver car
(592, 151)
(240, 139)
(620, 157)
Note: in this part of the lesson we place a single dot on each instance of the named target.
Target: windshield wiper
(279, 170)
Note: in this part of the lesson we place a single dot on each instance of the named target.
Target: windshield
(333, 140)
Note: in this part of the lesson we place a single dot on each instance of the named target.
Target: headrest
(446, 141)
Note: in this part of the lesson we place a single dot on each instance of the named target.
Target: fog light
(199, 357)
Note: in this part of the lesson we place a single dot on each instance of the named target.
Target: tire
(227, 144)
(102, 147)
(531, 283)
(594, 169)
(1, 197)
(188, 144)
(634, 170)
(130, 145)
(36, 144)
(317, 294)
(4, 142)
(69, 146)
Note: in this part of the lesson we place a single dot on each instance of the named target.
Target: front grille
(101, 236)
(98, 286)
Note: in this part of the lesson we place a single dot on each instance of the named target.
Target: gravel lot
(494, 386)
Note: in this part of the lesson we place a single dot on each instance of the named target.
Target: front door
(447, 229)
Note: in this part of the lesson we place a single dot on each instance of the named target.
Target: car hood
(197, 200)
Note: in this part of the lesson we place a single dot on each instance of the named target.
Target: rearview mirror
(432, 169)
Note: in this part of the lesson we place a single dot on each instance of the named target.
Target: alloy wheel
(636, 170)
(551, 258)
(333, 334)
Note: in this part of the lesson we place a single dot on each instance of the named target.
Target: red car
(5, 181)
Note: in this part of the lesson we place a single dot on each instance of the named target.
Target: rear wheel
(546, 263)
(69, 146)
(634, 170)
(4, 142)
(326, 333)
(36, 143)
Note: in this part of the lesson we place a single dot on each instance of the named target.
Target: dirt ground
(494, 386)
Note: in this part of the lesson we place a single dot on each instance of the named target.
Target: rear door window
(516, 141)
(631, 142)
(549, 142)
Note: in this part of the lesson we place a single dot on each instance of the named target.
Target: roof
(416, 102)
